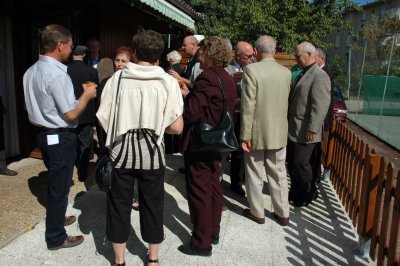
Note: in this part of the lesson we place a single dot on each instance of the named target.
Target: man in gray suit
(264, 131)
(309, 101)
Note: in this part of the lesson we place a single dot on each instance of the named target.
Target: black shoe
(189, 250)
(182, 170)
(307, 202)
(214, 240)
(238, 190)
(8, 172)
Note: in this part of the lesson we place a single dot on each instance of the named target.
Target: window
(364, 16)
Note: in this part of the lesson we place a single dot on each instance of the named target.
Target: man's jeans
(59, 159)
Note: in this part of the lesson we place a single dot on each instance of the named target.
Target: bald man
(192, 69)
(244, 55)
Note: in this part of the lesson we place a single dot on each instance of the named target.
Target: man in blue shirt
(51, 105)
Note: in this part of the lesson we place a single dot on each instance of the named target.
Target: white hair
(266, 44)
(306, 47)
(174, 56)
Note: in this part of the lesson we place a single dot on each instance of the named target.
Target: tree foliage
(381, 36)
(289, 21)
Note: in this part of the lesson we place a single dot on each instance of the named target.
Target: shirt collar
(51, 60)
(308, 67)
(237, 65)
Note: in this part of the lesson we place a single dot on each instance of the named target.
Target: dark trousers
(205, 197)
(2, 146)
(237, 159)
(101, 138)
(83, 147)
(151, 208)
(316, 161)
(59, 160)
(301, 171)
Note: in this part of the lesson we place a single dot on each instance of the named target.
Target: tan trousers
(269, 164)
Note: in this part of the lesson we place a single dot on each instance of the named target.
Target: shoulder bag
(215, 139)
(105, 165)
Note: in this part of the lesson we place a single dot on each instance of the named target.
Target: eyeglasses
(247, 56)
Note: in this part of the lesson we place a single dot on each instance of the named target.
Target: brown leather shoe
(281, 220)
(69, 220)
(247, 214)
(70, 242)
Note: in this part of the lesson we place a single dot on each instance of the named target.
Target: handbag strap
(221, 86)
(115, 111)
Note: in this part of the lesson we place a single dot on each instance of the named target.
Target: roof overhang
(171, 12)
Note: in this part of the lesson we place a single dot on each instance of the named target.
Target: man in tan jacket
(264, 131)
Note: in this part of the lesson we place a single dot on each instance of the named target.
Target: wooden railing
(369, 189)
(287, 60)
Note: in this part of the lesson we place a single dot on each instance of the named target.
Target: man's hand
(246, 145)
(184, 89)
(89, 90)
(174, 74)
(310, 135)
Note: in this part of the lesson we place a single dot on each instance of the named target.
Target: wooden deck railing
(369, 189)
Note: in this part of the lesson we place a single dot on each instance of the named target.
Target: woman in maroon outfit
(205, 103)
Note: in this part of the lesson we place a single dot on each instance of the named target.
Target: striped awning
(171, 12)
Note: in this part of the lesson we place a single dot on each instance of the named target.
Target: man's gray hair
(266, 44)
(320, 53)
(307, 47)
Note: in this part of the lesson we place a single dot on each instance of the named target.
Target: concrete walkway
(320, 234)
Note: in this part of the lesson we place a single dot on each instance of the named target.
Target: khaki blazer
(308, 104)
(264, 104)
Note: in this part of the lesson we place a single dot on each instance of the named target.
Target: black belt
(57, 130)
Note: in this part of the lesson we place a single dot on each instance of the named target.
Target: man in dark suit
(81, 73)
(244, 55)
(93, 52)
(192, 68)
(3, 165)
(320, 59)
(308, 104)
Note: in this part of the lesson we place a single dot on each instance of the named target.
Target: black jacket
(80, 73)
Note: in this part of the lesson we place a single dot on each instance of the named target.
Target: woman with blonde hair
(205, 103)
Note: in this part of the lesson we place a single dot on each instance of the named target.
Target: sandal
(149, 261)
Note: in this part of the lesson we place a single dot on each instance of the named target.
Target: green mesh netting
(373, 95)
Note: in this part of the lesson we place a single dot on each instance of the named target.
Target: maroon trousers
(205, 196)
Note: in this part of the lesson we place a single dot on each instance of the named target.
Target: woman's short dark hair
(215, 48)
(125, 50)
(148, 46)
(51, 35)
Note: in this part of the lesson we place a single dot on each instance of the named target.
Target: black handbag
(105, 165)
(215, 139)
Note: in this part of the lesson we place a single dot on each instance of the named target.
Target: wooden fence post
(367, 202)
